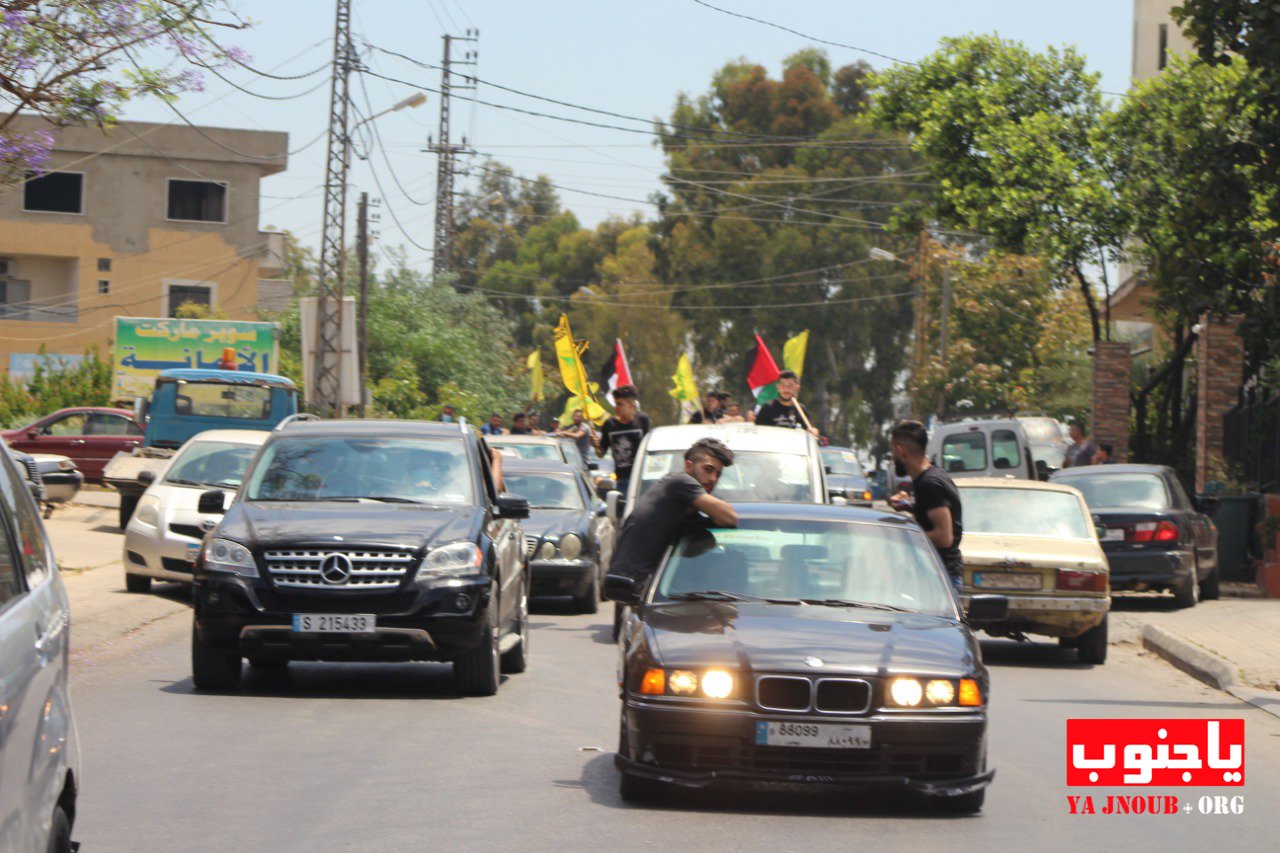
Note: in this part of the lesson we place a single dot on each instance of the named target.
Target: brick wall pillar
(1219, 372)
(1110, 421)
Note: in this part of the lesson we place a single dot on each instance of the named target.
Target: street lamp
(417, 99)
(878, 254)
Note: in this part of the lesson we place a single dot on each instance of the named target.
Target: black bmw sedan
(811, 644)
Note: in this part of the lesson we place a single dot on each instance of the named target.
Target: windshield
(1024, 512)
(545, 491)
(875, 564)
(754, 475)
(1122, 491)
(842, 462)
(216, 399)
(530, 451)
(397, 469)
(220, 464)
(1041, 429)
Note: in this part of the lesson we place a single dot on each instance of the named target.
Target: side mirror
(32, 435)
(213, 502)
(622, 589)
(614, 503)
(1042, 469)
(146, 476)
(828, 469)
(988, 608)
(141, 405)
(593, 465)
(1101, 530)
(512, 506)
(601, 508)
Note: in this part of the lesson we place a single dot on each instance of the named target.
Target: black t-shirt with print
(776, 413)
(622, 441)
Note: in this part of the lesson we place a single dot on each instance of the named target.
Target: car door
(107, 434)
(1204, 534)
(63, 435)
(35, 715)
(507, 543)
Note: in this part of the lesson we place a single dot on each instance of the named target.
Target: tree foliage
(49, 388)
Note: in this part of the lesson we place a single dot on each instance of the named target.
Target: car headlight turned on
(710, 683)
(570, 547)
(908, 692)
(717, 684)
(939, 691)
(460, 558)
(224, 555)
(547, 551)
(148, 511)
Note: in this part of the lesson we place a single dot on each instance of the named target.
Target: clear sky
(631, 58)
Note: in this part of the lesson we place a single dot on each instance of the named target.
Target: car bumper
(560, 577)
(436, 623)
(156, 554)
(61, 486)
(944, 756)
(1054, 616)
(1139, 570)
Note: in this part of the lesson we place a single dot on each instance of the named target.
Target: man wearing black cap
(711, 408)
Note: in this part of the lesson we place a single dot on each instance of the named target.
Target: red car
(89, 435)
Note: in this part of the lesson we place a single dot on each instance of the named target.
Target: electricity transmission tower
(446, 151)
(326, 394)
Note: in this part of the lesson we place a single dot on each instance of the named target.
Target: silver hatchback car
(39, 751)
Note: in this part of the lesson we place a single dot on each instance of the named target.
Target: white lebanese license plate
(336, 623)
(1113, 535)
(819, 735)
(193, 551)
(1006, 580)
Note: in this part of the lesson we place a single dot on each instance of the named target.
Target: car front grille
(171, 564)
(824, 695)
(371, 569)
(530, 545)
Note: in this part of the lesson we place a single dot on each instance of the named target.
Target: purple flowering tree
(79, 61)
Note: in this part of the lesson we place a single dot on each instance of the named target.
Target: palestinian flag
(762, 372)
(615, 373)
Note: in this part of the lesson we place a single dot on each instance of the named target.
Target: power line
(806, 36)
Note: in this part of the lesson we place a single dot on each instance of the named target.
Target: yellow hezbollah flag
(536, 379)
(574, 403)
(685, 390)
(573, 373)
(793, 353)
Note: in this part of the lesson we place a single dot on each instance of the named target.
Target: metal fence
(1251, 437)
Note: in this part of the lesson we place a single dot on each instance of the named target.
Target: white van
(996, 448)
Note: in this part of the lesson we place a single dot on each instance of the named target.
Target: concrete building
(134, 221)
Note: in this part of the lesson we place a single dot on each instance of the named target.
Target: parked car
(52, 479)
(1047, 442)
(163, 538)
(986, 448)
(810, 645)
(88, 435)
(364, 541)
(845, 477)
(1156, 537)
(1036, 544)
(39, 751)
(568, 540)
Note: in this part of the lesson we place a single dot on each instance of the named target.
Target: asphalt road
(364, 757)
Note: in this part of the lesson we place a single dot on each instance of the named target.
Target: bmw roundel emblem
(335, 568)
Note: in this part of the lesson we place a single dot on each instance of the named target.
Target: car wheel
(589, 601)
(963, 804)
(137, 583)
(1189, 594)
(516, 659)
(1068, 642)
(1211, 587)
(478, 671)
(213, 668)
(1091, 646)
(128, 503)
(60, 831)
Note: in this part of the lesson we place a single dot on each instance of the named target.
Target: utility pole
(362, 321)
(446, 151)
(945, 320)
(919, 273)
(327, 393)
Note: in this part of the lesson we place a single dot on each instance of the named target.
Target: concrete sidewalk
(1232, 644)
(103, 499)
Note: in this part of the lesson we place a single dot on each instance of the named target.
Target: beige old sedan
(1037, 544)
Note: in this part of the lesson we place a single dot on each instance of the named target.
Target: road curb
(1207, 667)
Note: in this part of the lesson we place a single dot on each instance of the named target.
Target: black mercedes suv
(364, 541)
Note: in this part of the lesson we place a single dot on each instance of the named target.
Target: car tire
(128, 503)
(589, 601)
(213, 668)
(478, 672)
(516, 659)
(1211, 586)
(634, 789)
(137, 583)
(60, 831)
(1189, 594)
(963, 804)
(1091, 646)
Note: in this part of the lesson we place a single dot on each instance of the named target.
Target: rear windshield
(964, 451)
(1004, 449)
(842, 462)
(1024, 512)
(545, 491)
(753, 476)
(1119, 491)
(530, 451)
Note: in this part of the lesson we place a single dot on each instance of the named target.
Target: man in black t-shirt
(621, 434)
(935, 502)
(785, 410)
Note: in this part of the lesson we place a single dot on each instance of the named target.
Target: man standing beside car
(936, 501)
(622, 433)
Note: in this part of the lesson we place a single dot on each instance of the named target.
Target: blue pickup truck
(187, 401)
